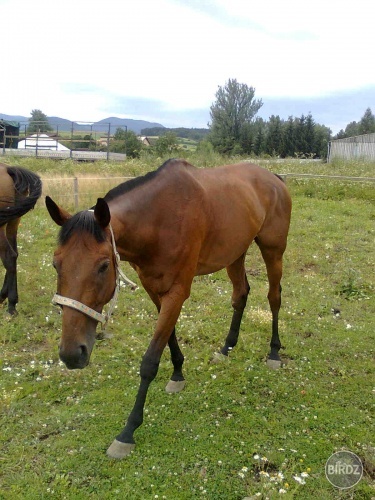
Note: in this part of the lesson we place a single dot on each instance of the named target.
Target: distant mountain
(64, 125)
(15, 118)
(134, 125)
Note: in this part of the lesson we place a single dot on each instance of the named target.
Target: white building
(41, 142)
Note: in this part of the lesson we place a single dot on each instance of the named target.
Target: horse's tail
(27, 191)
(281, 177)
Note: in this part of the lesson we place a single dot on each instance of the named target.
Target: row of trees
(366, 125)
(235, 129)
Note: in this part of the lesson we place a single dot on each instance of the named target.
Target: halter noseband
(120, 277)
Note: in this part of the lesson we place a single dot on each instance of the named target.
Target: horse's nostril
(83, 350)
(77, 358)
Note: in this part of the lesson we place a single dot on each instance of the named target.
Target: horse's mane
(127, 186)
(81, 222)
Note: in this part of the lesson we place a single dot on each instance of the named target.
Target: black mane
(127, 186)
(82, 222)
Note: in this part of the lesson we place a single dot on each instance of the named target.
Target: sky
(164, 60)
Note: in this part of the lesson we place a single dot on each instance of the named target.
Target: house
(9, 131)
(145, 141)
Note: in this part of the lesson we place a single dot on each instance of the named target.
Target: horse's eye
(104, 267)
(54, 265)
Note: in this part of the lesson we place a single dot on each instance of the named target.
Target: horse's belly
(222, 250)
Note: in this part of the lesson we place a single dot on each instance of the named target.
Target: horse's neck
(132, 230)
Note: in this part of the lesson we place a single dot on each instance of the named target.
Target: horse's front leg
(177, 382)
(171, 304)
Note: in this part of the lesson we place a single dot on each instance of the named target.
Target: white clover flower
(304, 474)
(299, 480)
(256, 457)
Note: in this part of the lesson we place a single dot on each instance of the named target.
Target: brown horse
(19, 191)
(171, 225)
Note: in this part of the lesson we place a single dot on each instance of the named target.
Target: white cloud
(81, 58)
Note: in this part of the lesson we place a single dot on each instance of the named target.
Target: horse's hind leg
(9, 254)
(273, 258)
(241, 288)
(5, 250)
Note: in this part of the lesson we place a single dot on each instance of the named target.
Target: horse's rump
(237, 203)
(20, 189)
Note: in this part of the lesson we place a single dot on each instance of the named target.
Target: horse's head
(86, 276)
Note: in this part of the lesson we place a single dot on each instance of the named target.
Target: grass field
(238, 429)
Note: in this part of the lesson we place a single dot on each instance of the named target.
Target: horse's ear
(102, 213)
(59, 215)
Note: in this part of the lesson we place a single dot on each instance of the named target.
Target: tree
(274, 140)
(322, 136)
(367, 123)
(352, 129)
(166, 144)
(290, 137)
(310, 134)
(38, 123)
(125, 141)
(301, 136)
(247, 138)
(340, 135)
(234, 107)
(259, 136)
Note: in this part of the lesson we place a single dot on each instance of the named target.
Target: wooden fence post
(76, 199)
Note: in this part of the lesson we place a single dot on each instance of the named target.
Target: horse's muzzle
(75, 359)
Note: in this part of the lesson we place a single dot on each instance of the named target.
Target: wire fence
(82, 192)
(79, 192)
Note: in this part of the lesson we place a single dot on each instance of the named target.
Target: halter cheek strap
(101, 318)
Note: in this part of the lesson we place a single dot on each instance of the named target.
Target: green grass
(56, 424)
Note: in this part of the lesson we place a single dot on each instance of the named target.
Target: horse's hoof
(218, 357)
(120, 450)
(274, 364)
(175, 386)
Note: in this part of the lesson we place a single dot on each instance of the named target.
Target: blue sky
(163, 60)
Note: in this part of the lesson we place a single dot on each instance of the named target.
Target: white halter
(120, 277)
